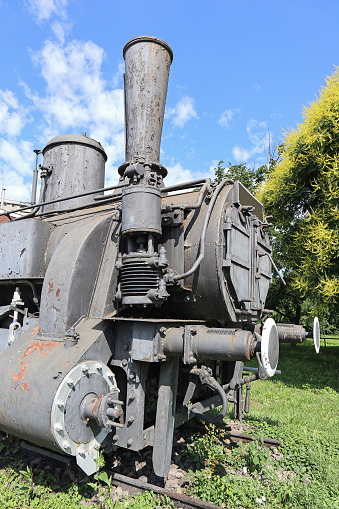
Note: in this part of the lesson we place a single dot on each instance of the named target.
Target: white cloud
(227, 116)
(177, 173)
(45, 9)
(18, 156)
(77, 98)
(183, 111)
(16, 189)
(259, 135)
(12, 114)
(240, 154)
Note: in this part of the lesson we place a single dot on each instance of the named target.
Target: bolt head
(66, 445)
(70, 383)
(98, 366)
(60, 403)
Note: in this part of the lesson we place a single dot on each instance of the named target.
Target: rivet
(131, 419)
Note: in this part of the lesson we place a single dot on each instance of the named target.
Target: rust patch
(65, 364)
(39, 345)
(35, 331)
(50, 285)
(232, 342)
(24, 386)
(96, 406)
(24, 369)
(57, 293)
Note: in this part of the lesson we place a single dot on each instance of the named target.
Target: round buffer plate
(316, 334)
(270, 347)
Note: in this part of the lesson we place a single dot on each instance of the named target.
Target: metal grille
(137, 278)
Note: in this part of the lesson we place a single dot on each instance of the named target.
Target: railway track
(134, 486)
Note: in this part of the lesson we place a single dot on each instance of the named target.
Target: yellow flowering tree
(302, 194)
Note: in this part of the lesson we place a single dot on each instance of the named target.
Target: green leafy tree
(250, 177)
(302, 194)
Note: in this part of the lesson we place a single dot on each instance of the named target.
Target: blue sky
(242, 71)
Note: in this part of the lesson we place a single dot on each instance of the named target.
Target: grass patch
(299, 407)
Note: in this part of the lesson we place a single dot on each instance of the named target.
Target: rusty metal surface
(31, 371)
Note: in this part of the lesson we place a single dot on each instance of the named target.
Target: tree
(250, 178)
(302, 194)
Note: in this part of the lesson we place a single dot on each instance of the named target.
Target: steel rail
(178, 499)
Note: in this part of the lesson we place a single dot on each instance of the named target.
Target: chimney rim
(146, 38)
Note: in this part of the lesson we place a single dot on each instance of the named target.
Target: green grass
(301, 408)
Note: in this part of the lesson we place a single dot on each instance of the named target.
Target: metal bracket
(173, 218)
(188, 357)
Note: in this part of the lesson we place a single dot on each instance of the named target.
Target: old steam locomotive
(123, 315)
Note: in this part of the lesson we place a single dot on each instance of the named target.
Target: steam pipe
(203, 234)
(35, 177)
(39, 205)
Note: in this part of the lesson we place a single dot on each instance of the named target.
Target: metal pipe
(216, 386)
(209, 343)
(177, 187)
(255, 370)
(34, 211)
(35, 177)
(203, 233)
(205, 188)
(183, 185)
(3, 197)
(39, 205)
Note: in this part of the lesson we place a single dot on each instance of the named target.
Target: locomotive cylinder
(210, 343)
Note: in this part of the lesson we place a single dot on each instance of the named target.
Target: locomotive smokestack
(147, 65)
